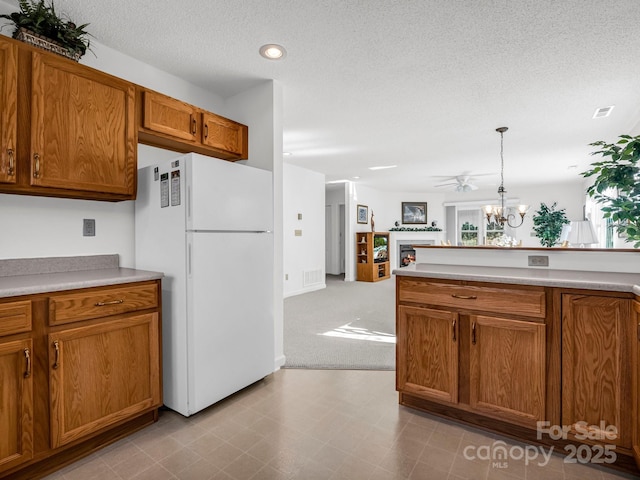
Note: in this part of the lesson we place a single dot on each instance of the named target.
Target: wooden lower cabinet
(72, 379)
(507, 369)
(427, 353)
(597, 340)
(504, 372)
(16, 403)
(636, 382)
(102, 374)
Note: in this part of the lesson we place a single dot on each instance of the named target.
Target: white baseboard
(312, 288)
(279, 362)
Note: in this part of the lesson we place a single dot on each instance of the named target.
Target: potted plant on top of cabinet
(617, 184)
(38, 24)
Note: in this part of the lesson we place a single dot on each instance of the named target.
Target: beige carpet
(348, 325)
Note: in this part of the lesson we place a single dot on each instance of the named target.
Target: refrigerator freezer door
(226, 196)
(230, 313)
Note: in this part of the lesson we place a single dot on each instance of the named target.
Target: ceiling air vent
(603, 112)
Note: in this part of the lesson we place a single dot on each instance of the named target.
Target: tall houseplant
(547, 223)
(617, 184)
(39, 18)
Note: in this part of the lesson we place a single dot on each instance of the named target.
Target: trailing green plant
(548, 222)
(42, 19)
(617, 184)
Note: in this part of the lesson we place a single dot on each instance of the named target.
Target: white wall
(303, 194)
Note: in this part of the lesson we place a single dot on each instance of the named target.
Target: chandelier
(498, 213)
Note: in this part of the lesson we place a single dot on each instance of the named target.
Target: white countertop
(611, 281)
(39, 275)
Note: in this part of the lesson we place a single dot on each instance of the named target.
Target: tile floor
(312, 425)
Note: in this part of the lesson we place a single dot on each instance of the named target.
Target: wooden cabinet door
(16, 403)
(507, 369)
(102, 374)
(597, 336)
(8, 111)
(225, 135)
(83, 133)
(636, 383)
(172, 117)
(427, 353)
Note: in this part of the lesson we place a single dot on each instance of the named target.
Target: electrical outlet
(298, 233)
(89, 227)
(286, 276)
(538, 260)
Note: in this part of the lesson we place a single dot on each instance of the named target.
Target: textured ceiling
(416, 83)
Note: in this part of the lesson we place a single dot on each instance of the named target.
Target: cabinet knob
(11, 170)
(464, 297)
(27, 357)
(56, 360)
(112, 302)
(36, 165)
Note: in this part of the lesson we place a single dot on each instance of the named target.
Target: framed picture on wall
(414, 212)
(363, 214)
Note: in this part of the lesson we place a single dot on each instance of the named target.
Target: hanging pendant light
(498, 213)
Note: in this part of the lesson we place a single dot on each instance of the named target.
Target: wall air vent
(603, 112)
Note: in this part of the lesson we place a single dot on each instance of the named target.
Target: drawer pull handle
(453, 328)
(27, 356)
(56, 360)
(464, 297)
(473, 333)
(113, 302)
(193, 126)
(11, 170)
(36, 165)
(206, 131)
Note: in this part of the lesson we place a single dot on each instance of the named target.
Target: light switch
(298, 233)
(299, 216)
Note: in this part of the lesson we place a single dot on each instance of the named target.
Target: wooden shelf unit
(368, 270)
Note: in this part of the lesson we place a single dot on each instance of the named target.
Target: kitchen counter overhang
(38, 275)
(607, 281)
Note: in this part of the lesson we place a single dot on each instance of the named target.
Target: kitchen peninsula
(520, 351)
(79, 357)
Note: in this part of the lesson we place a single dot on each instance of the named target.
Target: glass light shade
(582, 233)
(522, 209)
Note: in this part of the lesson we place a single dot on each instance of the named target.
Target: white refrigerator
(207, 224)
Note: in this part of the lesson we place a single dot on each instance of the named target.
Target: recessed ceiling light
(287, 154)
(356, 178)
(382, 167)
(271, 51)
(603, 112)
(338, 181)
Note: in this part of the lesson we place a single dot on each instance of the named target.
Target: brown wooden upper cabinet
(82, 128)
(9, 113)
(173, 124)
(66, 130)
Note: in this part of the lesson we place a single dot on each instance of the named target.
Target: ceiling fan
(463, 182)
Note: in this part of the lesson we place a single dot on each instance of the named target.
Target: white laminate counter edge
(608, 281)
(18, 285)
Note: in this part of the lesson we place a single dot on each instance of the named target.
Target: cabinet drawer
(516, 301)
(15, 317)
(96, 303)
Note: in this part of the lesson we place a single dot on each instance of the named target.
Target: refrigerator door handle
(189, 259)
(189, 202)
